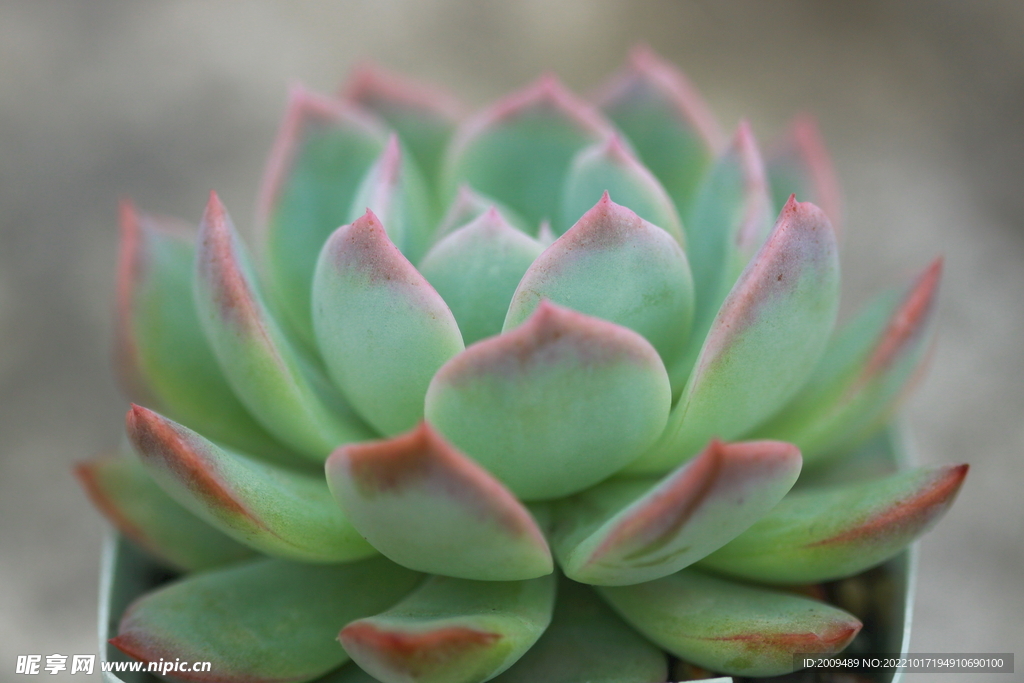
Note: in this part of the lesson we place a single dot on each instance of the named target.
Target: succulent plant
(562, 364)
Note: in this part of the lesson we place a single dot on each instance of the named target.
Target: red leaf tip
(910, 319)
(371, 83)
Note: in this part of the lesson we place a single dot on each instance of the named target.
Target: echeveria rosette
(550, 395)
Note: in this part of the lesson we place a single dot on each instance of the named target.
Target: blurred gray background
(921, 103)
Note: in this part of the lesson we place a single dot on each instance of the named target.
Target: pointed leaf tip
(267, 374)
(378, 88)
(555, 405)
(774, 324)
(629, 531)
(820, 534)
(614, 265)
(867, 369)
(611, 166)
(518, 149)
(364, 289)
(799, 163)
(278, 511)
(909, 321)
(323, 149)
(452, 630)
(428, 507)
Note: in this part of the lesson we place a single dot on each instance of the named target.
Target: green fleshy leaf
(469, 205)
(554, 406)
(262, 622)
(519, 150)
(452, 630)
(614, 265)
(423, 117)
(730, 627)
(427, 506)
(350, 673)
(666, 120)
(730, 220)
(382, 328)
(280, 512)
(865, 371)
(629, 531)
(394, 190)
(476, 270)
(799, 164)
(586, 641)
(271, 378)
(120, 488)
(822, 534)
(765, 341)
(163, 357)
(609, 167)
(322, 151)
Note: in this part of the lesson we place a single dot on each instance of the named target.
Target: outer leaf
(828, 533)
(268, 621)
(476, 270)
(277, 511)
(554, 406)
(519, 149)
(382, 328)
(730, 627)
(614, 265)
(628, 531)
(610, 168)
(428, 507)
(394, 190)
(799, 164)
(121, 489)
(864, 373)
(665, 119)
(323, 149)
(764, 342)
(452, 630)
(162, 356)
(265, 372)
(587, 642)
(730, 220)
(423, 116)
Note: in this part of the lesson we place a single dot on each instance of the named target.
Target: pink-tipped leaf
(278, 511)
(467, 206)
(423, 116)
(866, 370)
(555, 405)
(730, 627)
(267, 621)
(476, 270)
(614, 265)
(731, 217)
(323, 149)
(627, 531)
(666, 119)
(519, 149)
(426, 506)
(123, 491)
(161, 353)
(396, 193)
(764, 342)
(274, 381)
(452, 630)
(382, 329)
(610, 167)
(800, 164)
(828, 533)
